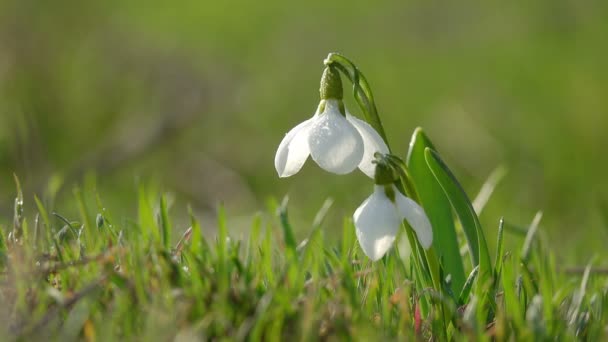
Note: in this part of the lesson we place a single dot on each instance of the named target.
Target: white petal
(372, 143)
(377, 223)
(293, 150)
(416, 217)
(334, 143)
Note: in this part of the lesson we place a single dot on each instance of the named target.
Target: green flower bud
(385, 174)
(331, 84)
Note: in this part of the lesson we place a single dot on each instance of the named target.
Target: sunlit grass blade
(85, 216)
(438, 209)
(487, 188)
(45, 219)
(254, 238)
(197, 242)
(147, 222)
(43, 212)
(322, 213)
(348, 240)
(222, 236)
(577, 302)
(289, 237)
(466, 289)
(465, 212)
(165, 223)
(499, 248)
(527, 247)
(18, 212)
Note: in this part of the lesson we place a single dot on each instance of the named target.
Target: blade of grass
(165, 223)
(147, 222)
(18, 212)
(527, 247)
(45, 218)
(487, 188)
(288, 236)
(196, 242)
(83, 210)
(499, 248)
(578, 297)
(466, 289)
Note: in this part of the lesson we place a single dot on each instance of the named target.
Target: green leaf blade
(165, 223)
(146, 220)
(465, 212)
(437, 208)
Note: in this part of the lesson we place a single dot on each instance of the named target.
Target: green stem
(361, 90)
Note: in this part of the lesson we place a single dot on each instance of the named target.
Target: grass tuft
(85, 279)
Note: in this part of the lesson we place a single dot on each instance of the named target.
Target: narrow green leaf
(147, 223)
(43, 212)
(45, 218)
(579, 296)
(18, 211)
(499, 247)
(254, 238)
(196, 242)
(165, 224)
(525, 251)
(18, 186)
(510, 292)
(348, 240)
(438, 209)
(290, 240)
(466, 289)
(320, 216)
(465, 212)
(487, 188)
(266, 251)
(85, 217)
(222, 236)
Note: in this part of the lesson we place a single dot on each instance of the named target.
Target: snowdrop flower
(337, 141)
(378, 218)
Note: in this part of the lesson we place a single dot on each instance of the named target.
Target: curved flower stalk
(378, 218)
(337, 141)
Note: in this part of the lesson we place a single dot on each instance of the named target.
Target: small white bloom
(378, 219)
(338, 144)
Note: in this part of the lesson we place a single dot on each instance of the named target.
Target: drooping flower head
(337, 141)
(378, 218)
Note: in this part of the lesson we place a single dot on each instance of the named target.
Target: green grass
(98, 277)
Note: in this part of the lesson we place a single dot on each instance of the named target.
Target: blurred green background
(194, 97)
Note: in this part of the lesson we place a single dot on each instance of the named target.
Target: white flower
(379, 217)
(337, 143)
